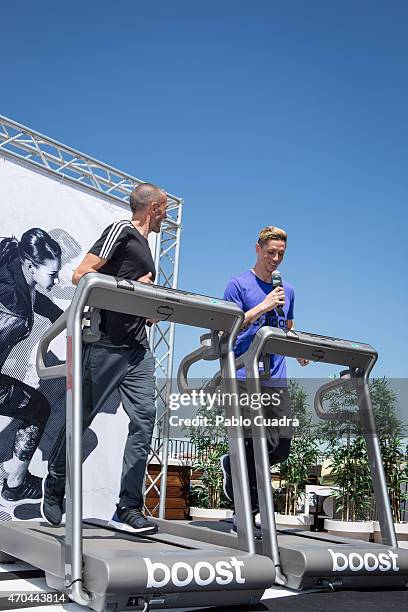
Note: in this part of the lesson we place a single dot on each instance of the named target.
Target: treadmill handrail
(184, 367)
(209, 350)
(192, 358)
(216, 379)
(55, 371)
(332, 385)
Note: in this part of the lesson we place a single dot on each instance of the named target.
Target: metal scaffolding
(35, 150)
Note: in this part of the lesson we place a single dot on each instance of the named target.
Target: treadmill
(106, 569)
(304, 559)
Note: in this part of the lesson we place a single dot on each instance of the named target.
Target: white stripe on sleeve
(112, 236)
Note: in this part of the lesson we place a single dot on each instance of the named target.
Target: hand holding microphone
(277, 284)
(276, 298)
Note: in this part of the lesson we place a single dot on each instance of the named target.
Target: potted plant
(391, 431)
(353, 489)
(207, 499)
(350, 470)
(295, 470)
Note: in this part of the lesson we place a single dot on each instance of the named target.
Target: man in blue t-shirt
(253, 292)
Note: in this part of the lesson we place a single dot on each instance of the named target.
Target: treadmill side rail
(349, 565)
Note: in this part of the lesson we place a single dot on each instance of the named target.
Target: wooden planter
(177, 494)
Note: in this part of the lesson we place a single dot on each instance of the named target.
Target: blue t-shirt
(247, 291)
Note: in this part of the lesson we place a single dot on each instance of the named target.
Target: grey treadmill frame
(72, 320)
(360, 358)
(269, 340)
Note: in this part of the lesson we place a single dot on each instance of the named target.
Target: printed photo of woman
(29, 268)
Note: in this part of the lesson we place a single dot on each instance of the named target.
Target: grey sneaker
(52, 503)
(133, 520)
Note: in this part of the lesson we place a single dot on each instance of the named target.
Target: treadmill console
(156, 302)
(326, 340)
(315, 347)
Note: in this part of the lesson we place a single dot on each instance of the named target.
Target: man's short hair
(270, 232)
(143, 195)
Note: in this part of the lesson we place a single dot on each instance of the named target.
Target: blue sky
(264, 112)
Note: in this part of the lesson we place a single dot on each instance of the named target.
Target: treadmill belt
(289, 539)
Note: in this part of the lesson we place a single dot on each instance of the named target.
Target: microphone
(277, 282)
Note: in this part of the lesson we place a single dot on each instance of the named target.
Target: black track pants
(107, 368)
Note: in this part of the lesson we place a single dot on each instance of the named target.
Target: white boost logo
(203, 573)
(369, 561)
